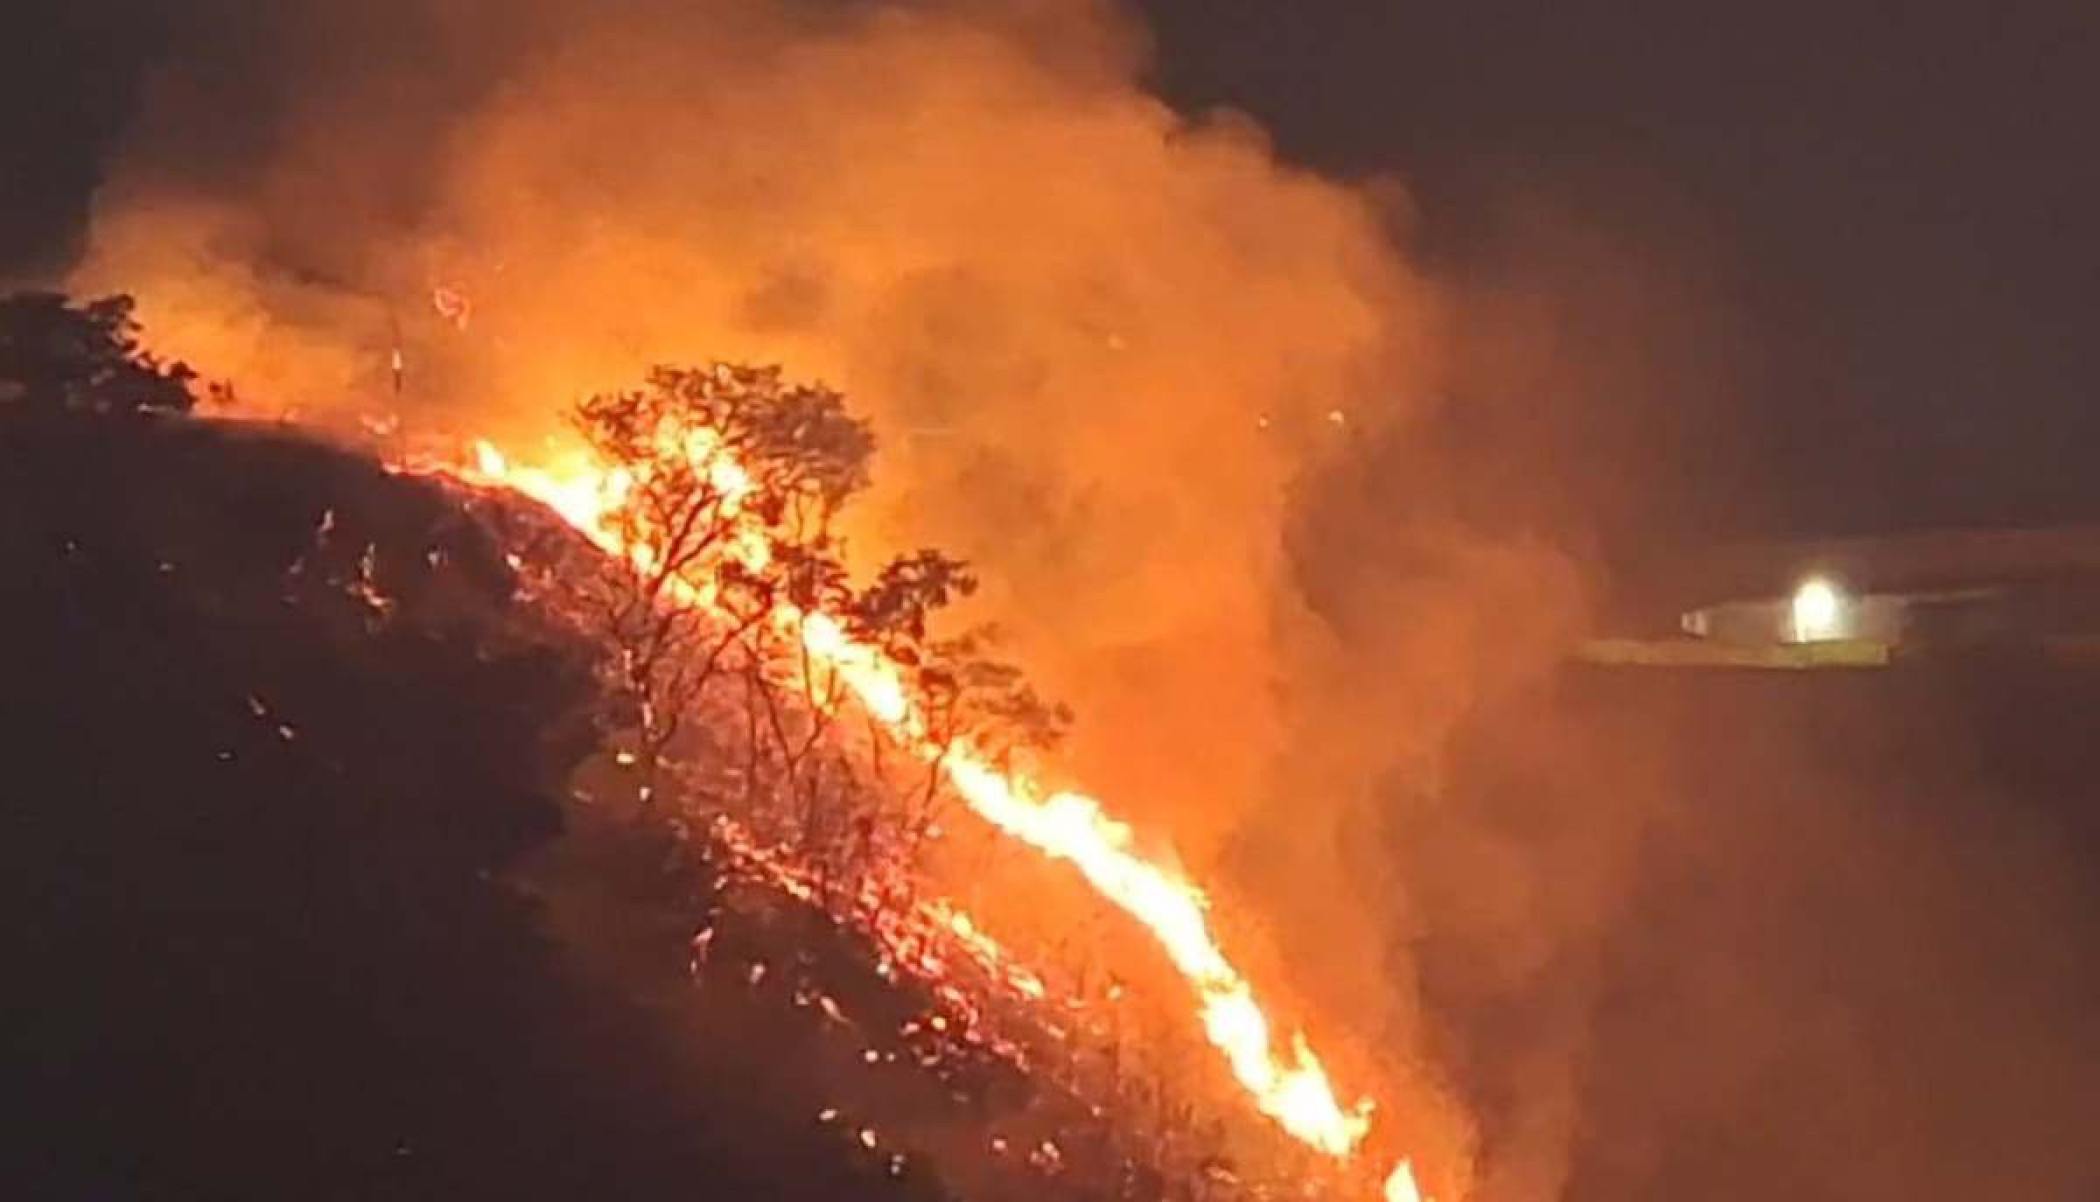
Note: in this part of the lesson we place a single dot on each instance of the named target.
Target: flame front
(1291, 1087)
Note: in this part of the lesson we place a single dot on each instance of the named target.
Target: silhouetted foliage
(892, 612)
(733, 480)
(714, 461)
(58, 355)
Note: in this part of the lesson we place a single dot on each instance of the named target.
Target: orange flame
(1288, 1084)
(1400, 1186)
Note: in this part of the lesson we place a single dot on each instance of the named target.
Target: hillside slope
(262, 933)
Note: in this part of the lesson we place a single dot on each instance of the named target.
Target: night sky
(1902, 199)
(1893, 206)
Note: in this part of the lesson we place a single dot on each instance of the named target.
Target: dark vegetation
(55, 354)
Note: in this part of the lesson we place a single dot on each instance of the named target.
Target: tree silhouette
(57, 355)
(729, 482)
(715, 467)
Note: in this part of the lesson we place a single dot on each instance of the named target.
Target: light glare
(1818, 611)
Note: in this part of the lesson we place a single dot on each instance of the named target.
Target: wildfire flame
(1400, 1186)
(1287, 1083)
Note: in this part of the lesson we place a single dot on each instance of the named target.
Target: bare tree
(959, 691)
(727, 485)
(713, 469)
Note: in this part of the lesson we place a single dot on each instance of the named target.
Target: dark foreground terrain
(261, 931)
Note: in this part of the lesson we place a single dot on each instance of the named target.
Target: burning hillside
(694, 549)
(719, 487)
(1101, 344)
(279, 740)
(907, 1041)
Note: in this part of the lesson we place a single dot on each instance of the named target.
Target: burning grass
(1048, 1060)
(710, 494)
(816, 737)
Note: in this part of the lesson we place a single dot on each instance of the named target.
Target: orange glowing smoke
(1287, 1083)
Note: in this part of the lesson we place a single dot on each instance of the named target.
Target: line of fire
(819, 745)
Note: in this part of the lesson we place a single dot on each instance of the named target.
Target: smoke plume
(1110, 352)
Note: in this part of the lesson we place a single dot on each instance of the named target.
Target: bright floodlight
(1819, 611)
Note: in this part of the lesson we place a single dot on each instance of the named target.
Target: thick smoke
(1705, 935)
(1588, 351)
(1110, 351)
(1098, 341)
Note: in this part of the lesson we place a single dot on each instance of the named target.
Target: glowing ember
(452, 305)
(1287, 1083)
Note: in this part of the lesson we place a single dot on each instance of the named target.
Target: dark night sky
(67, 75)
(1900, 200)
(1905, 196)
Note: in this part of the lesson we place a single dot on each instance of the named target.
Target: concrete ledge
(1703, 653)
